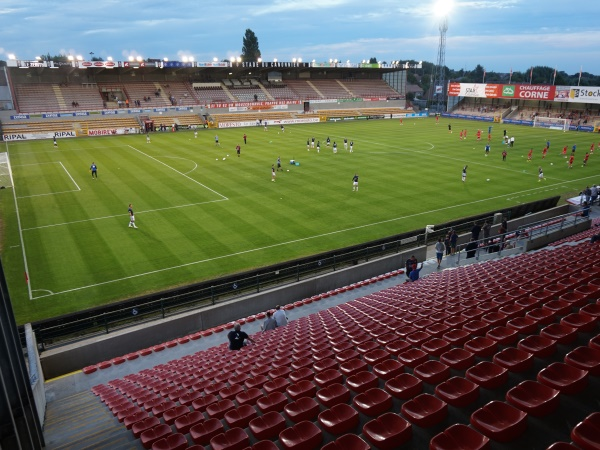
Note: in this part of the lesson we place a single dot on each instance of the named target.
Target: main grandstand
(493, 352)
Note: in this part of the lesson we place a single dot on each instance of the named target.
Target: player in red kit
(592, 149)
(530, 155)
(461, 133)
(544, 152)
(571, 159)
(565, 151)
(585, 159)
(478, 135)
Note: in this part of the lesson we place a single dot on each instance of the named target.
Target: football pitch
(203, 212)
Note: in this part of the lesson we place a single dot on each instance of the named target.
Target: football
(487, 179)
(223, 159)
(551, 164)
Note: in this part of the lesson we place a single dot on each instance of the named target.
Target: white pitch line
(49, 193)
(76, 185)
(120, 215)
(180, 173)
(185, 159)
(281, 244)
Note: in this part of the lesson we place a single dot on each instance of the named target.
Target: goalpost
(552, 123)
(5, 175)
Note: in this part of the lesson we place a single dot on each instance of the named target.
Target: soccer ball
(551, 164)
(223, 159)
(228, 156)
(288, 170)
(487, 179)
(216, 159)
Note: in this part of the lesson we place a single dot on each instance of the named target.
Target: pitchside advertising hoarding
(545, 92)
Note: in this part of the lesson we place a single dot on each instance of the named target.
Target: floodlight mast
(439, 85)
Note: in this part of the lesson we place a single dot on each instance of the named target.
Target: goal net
(552, 123)
(5, 176)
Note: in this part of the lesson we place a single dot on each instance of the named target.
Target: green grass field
(200, 216)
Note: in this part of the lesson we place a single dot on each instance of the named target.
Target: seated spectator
(595, 238)
(269, 323)
(410, 262)
(238, 338)
(414, 273)
(585, 212)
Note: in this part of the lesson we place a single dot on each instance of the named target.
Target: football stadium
(294, 255)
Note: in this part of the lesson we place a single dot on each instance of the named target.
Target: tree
(250, 50)
(373, 60)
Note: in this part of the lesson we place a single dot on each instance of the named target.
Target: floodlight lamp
(139, 59)
(38, 58)
(191, 59)
(79, 58)
(259, 60)
(274, 60)
(109, 58)
(239, 59)
(215, 59)
(335, 61)
(166, 59)
(442, 8)
(70, 58)
(130, 58)
(299, 60)
(184, 58)
(294, 60)
(12, 56)
(330, 60)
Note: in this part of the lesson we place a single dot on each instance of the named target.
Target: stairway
(229, 94)
(315, 89)
(81, 421)
(267, 94)
(59, 96)
(345, 88)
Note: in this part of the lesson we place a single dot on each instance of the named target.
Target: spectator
(453, 241)
(238, 338)
(447, 243)
(594, 191)
(595, 238)
(486, 232)
(439, 251)
(269, 323)
(414, 273)
(475, 231)
(410, 262)
(471, 248)
(280, 317)
(585, 212)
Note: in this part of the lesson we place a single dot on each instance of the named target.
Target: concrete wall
(542, 241)
(68, 358)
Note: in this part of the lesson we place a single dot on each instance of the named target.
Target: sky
(498, 34)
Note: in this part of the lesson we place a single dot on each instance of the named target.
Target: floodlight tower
(439, 85)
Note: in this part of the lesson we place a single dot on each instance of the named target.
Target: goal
(5, 176)
(552, 123)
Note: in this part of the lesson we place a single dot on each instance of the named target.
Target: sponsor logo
(101, 132)
(50, 115)
(81, 113)
(14, 137)
(585, 93)
(19, 116)
(508, 91)
(64, 134)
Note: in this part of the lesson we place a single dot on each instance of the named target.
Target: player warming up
(355, 182)
(131, 217)
(55, 143)
(464, 174)
(273, 173)
(540, 174)
(94, 170)
(147, 138)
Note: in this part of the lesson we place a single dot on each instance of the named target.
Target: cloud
(281, 6)
(101, 31)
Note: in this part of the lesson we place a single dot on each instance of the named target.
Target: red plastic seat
(175, 441)
(159, 409)
(476, 327)
(523, 325)
(458, 359)
(302, 436)
(256, 381)
(347, 355)
(458, 391)
(302, 388)
(217, 410)
(362, 381)
(170, 415)
(398, 346)
(404, 386)
(267, 426)
(574, 298)
(388, 369)
(303, 373)
(388, 431)
(461, 437)
(558, 307)
(347, 442)
(188, 399)
(202, 403)
(481, 346)
(514, 359)
(339, 419)
(487, 375)
(240, 417)
(327, 377)
(131, 419)
(376, 356)
(534, 398)
(539, 346)
(503, 335)
(149, 437)
(595, 342)
(187, 421)
(413, 357)
(305, 408)
(435, 346)
(353, 366)
(248, 397)
(562, 446)
(567, 379)
(230, 392)
(417, 338)
(203, 432)
(373, 402)
(275, 401)
(425, 410)
(581, 322)
(585, 358)
(541, 316)
(333, 394)
(232, 439)
(500, 421)
(560, 333)
(586, 434)
(139, 427)
(276, 385)
(432, 372)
